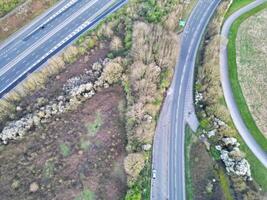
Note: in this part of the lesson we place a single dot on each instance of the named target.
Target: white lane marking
(68, 5)
(182, 80)
(82, 26)
(45, 38)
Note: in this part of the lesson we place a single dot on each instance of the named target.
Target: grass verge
(237, 91)
(189, 185)
(224, 182)
(236, 5)
(259, 172)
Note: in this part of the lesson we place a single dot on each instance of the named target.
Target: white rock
(229, 141)
(146, 147)
(211, 133)
(218, 147)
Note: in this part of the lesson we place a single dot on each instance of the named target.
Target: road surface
(168, 148)
(33, 46)
(227, 90)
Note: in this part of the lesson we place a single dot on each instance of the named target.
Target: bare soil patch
(22, 15)
(64, 159)
(202, 171)
(251, 47)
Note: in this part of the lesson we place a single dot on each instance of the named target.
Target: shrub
(112, 72)
(215, 153)
(64, 149)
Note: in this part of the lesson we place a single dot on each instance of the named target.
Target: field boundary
(233, 75)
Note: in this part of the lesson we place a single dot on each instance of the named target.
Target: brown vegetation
(145, 55)
(154, 50)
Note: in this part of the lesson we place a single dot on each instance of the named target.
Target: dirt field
(77, 155)
(22, 15)
(203, 172)
(252, 66)
(65, 159)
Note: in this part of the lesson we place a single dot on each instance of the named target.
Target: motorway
(29, 49)
(168, 148)
(227, 90)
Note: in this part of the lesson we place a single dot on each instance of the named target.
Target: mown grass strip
(188, 143)
(236, 5)
(224, 182)
(259, 172)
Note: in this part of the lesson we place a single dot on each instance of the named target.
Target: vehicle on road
(154, 174)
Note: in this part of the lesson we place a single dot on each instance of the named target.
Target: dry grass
(21, 15)
(251, 47)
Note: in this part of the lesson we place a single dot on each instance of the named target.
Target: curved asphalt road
(30, 48)
(227, 90)
(168, 148)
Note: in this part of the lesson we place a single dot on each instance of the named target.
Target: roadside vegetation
(188, 143)
(215, 119)
(202, 171)
(26, 11)
(234, 77)
(8, 5)
(141, 44)
(237, 4)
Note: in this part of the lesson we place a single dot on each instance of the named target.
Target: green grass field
(259, 172)
(239, 98)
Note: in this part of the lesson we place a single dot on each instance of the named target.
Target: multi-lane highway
(168, 150)
(33, 46)
(226, 85)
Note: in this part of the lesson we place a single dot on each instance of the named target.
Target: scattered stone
(76, 90)
(198, 97)
(15, 184)
(218, 147)
(97, 66)
(209, 187)
(218, 123)
(230, 141)
(18, 109)
(106, 85)
(34, 187)
(233, 158)
(211, 133)
(146, 147)
(36, 120)
(41, 102)
(148, 118)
